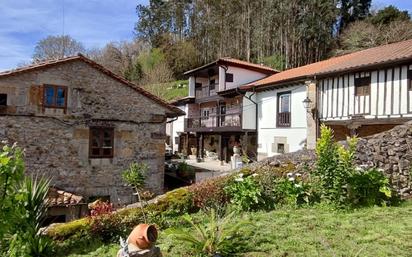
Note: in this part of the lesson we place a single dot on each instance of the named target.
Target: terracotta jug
(143, 236)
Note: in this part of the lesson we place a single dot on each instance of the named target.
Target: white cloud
(92, 22)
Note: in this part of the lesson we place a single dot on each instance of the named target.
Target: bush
(66, 230)
(244, 193)
(368, 188)
(342, 183)
(210, 193)
(216, 237)
(176, 202)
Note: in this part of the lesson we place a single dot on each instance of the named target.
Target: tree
(121, 58)
(389, 14)
(55, 47)
(351, 11)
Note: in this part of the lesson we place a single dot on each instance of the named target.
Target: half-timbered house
(361, 93)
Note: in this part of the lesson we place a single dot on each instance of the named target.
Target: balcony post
(202, 138)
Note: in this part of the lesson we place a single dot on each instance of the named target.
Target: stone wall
(390, 151)
(57, 144)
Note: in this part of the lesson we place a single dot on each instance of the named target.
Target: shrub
(66, 230)
(217, 237)
(210, 193)
(176, 202)
(368, 188)
(244, 193)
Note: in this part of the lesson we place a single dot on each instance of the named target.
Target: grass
(169, 91)
(378, 231)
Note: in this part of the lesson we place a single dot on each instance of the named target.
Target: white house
(361, 93)
(218, 115)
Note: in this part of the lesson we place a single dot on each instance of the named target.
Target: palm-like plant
(215, 238)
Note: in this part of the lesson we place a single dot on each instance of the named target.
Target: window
(281, 148)
(55, 96)
(283, 110)
(362, 84)
(229, 77)
(3, 99)
(205, 114)
(212, 84)
(409, 80)
(101, 142)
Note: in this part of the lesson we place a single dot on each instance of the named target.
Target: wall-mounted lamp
(307, 104)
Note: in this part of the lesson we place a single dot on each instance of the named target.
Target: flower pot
(143, 236)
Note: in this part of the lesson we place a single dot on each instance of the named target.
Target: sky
(93, 22)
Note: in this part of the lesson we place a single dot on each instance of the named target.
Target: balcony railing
(233, 120)
(283, 119)
(206, 91)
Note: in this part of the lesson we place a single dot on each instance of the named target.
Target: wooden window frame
(55, 88)
(101, 154)
(4, 95)
(363, 86)
(229, 77)
(278, 123)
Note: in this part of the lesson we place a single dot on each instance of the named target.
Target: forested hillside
(173, 36)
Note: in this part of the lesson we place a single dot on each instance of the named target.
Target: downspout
(256, 114)
(316, 112)
(225, 68)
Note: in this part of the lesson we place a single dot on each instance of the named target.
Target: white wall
(249, 112)
(388, 97)
(176, 126)
(267, 130)
(241, 76)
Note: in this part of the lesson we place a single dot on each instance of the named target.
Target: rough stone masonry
(390, 151)
(57, 140)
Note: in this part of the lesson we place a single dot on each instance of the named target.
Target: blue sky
(93, 22)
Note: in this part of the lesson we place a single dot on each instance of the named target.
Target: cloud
(92, 22)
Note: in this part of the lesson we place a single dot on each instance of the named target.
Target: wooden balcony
(206, 91)
(214, 123)
(283, 120)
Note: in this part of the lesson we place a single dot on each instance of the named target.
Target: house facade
(81, 125)
(218, 115)
(362, 93)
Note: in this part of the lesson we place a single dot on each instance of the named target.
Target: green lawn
(379, 231)
(169, 91)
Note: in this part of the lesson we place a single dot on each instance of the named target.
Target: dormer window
(55, 96)
(3, 100)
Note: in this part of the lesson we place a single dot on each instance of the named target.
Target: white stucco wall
(249, 112)
(173, 128)
(295, 135)
(242, 76)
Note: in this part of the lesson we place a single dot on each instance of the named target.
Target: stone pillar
(312, 115)
(192, 85)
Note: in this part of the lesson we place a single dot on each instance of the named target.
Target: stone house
(82, 125)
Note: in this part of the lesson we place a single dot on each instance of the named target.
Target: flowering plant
(244, 193)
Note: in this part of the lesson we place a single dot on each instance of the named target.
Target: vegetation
(314, 231)
(23, 207)
(217, 236)
(55, 47)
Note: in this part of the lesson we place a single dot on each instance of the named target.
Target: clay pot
(143, 236)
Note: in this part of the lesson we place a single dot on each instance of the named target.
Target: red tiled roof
(385, 54)
(42, 65)
(58, 197)
(235, 62)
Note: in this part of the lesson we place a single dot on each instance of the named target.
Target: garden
(333, 208)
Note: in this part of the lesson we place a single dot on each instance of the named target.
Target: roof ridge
(101, 68)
